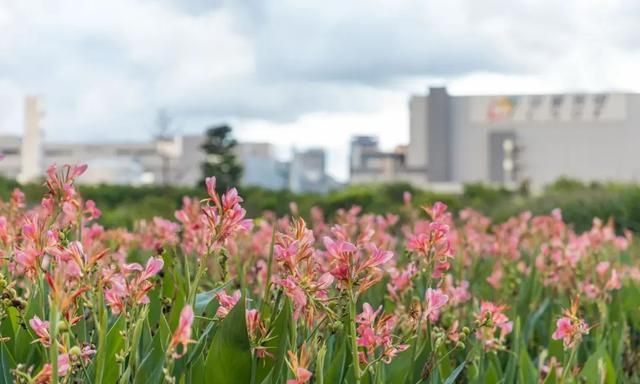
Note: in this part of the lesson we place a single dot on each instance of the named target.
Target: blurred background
(498, 105)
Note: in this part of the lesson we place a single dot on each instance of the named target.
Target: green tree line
(580, 203)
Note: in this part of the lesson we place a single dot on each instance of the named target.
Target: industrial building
(510, 139)
(172, 160)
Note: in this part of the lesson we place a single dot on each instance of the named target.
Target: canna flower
(257, 334)
(301, 277)
(435, 300)
(28, 261)
(41, 328)
(67, 362)
(298, 365)
(433, 241)
(570, 328)
(457, 294)
(401, 280)
(351, 265)
(131, 285)
(223, 216)
(227, 302)
(491, 319)
(182, 334)
(377, 334)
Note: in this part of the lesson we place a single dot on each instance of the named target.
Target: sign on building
(548, 108)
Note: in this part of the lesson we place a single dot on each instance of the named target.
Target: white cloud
(296, 72)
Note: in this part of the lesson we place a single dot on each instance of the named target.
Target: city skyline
(105, 68)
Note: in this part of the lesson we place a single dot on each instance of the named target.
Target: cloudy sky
(295, 72)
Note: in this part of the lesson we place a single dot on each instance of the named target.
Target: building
(369, 164)
(307, 172)
(517, 138)
(511, 139)
(163, 161)
(261, 167)
(174, 161)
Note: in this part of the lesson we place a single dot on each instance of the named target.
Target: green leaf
(399, 368)
(229, 358)
(456, 372)
(533, 319)
(150, 369)
(512, 363)
(528, 374)
(114, 344)
(338, 363)
(491, 374)
(204, 298)
(277, 345)
(599, 368)
(551, 378)
(6, 364)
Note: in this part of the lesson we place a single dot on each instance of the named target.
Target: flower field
(212, 296)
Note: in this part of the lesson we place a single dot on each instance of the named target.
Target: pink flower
(437, 211)
(28, 261)
(492, 319)
(374, 334)
(435, 300)
(401, 280)
(298, 366)
(406, 198)
(295, 293)
(211, 186)
(614, 281)
(570, 328)
(182, 334)
(378, 257)
(227, 302)
(154, 265)
(495, 279)
(41, 328)
(570, 331)
(91, 210)
(564, 328)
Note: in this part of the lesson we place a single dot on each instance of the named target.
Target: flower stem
(567, 366)
(53, 335)
(354, 336)
(202, 267)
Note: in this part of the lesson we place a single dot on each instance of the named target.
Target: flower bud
(75, 351)
(460, 345)
(466, 331)
(62, 326)
(19, 303)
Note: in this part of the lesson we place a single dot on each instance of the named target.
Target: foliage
(354, 297)
(220, 158)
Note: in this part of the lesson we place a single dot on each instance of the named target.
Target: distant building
(511, 139)
(173, 161)
(307, 172)
(369, 164)
(163, 161)
(516, 138)
(31, 146)
(261, 167)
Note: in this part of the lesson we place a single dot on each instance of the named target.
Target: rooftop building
(510, 139)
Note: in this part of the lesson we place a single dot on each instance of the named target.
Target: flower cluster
(346, 296)
(570, 328)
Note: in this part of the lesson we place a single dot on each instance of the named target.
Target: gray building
(261, 167)
(307, 172)
(369, 164)
(170, 160)
(515, 138)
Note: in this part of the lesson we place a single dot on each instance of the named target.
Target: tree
(220, 159)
